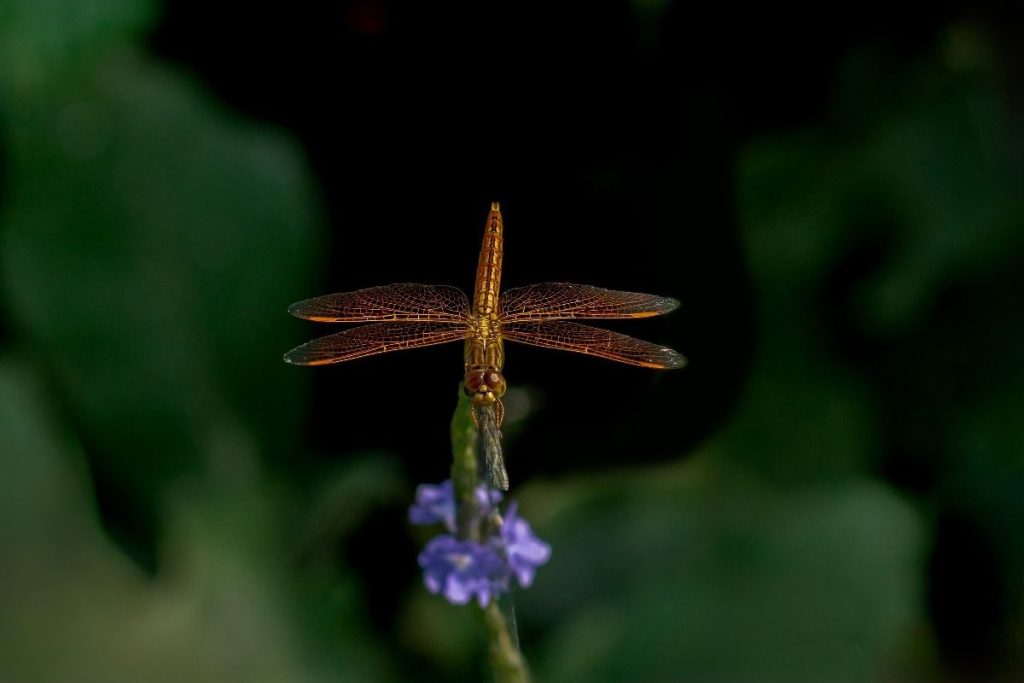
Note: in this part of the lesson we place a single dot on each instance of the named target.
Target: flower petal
(434, 505)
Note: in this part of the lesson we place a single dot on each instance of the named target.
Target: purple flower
(461, 569)
(436, 504)
(523, 551)
(487, 499)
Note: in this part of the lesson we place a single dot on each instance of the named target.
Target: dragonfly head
(484, 385)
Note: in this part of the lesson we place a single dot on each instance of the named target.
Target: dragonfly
(408, 316)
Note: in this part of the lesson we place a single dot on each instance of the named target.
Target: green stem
(465, 469)
(506, 659)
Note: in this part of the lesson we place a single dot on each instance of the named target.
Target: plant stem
(465, 470)
(506, 659)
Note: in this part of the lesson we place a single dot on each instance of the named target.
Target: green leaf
(710, 575)
(150, 244)
(58, 40)
(221, 608)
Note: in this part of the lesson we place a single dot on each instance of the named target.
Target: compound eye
(496, 383)
(474, 381)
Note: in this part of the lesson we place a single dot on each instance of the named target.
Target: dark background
(831, 490)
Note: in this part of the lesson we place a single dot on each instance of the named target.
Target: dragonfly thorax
(484, 385)
(484, 328)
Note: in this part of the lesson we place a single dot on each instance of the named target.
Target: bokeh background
(832, 491)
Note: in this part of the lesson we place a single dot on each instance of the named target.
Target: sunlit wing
(593, 341)
(402, 302)
(368, 340)
(561, 301)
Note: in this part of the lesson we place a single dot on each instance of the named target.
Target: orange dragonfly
(407, 316)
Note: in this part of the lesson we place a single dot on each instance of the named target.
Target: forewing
(594, 341)
(561, 301)
(369, 340)
(401, 302)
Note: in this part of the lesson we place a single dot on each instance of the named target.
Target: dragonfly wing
(369, 340)
(403, 302)
(594, 341)
(561, 300)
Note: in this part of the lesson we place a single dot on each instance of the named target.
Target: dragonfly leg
(499, 412)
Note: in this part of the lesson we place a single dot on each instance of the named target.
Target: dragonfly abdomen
(488, 269)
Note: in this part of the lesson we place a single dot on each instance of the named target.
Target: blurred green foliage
(147, 237)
